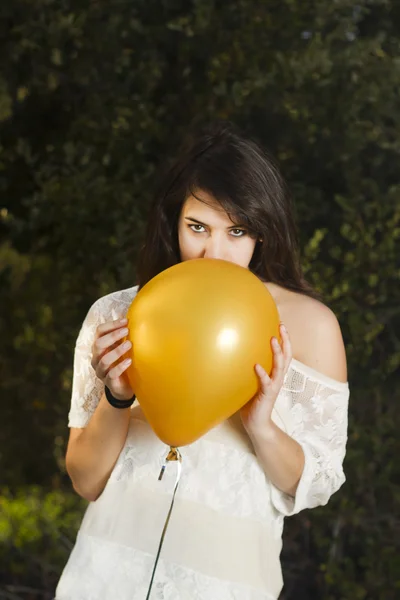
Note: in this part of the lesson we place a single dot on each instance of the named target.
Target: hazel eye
(196, 225)
(241, 233)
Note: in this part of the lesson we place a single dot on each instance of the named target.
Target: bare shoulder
(314, 332)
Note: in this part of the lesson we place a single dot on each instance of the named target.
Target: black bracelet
(118, 403)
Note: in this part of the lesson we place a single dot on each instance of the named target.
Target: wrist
(265, 434)
(121, 397)
(116, 401)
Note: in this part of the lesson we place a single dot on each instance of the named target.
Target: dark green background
(94, 98)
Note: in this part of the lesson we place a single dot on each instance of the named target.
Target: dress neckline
(303, 368)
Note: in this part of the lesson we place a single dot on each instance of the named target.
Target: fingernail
(283, 327)
(128, 361)
(275, 341)
(124, 331)
(123, 321)
(126, 345)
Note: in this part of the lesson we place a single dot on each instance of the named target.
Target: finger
(120, 368)
(286, 345)
(264, 378)
(110, 326)
(279, 360)
(112, 357)
(106, 341)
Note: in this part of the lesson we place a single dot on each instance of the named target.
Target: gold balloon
(197, 331)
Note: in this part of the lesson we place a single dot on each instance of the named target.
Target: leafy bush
(37, 533)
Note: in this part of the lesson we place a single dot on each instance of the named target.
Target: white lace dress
(225, 534)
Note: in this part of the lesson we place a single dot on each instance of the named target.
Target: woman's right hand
(107, 352)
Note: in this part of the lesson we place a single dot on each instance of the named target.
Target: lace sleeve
(86, 387)
(318, 415)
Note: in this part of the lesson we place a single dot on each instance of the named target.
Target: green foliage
(37, 533)
(94, 98)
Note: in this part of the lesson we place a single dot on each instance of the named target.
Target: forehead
(208, 209)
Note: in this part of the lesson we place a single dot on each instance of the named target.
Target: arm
(311, 453)
(320, 429)
(281, 457)
(98, 430)
(93, 451)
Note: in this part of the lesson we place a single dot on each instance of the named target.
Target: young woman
(222, 199)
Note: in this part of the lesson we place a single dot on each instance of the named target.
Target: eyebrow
(237, 226)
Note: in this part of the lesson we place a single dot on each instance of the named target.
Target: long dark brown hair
(247, 183)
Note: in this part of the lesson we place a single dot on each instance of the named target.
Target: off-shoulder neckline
(299, 366)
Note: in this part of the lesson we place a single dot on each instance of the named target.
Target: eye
(241, 232)
(196, 230)
(201, 229)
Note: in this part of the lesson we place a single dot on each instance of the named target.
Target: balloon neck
(173, 455)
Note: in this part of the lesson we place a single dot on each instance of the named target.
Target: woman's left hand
(256, 414)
